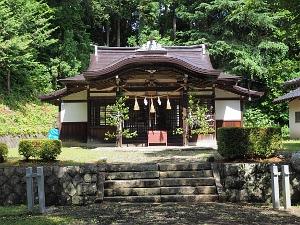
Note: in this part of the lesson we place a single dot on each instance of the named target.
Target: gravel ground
(179, 213)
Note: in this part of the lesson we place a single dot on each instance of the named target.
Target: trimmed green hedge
(3, 152)
(40, 148)
(240, 143)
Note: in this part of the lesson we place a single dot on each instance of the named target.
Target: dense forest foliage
(43, 41)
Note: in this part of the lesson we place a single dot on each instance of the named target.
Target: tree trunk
(119, 135)
(118, 32)
(107, 33)
(8, 82)
(174, 22)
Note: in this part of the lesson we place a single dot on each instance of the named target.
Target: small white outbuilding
(293, 99)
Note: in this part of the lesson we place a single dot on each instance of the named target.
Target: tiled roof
(109, 60)
(54, 95)
(76, 79)
(289, 96)
(294, 82)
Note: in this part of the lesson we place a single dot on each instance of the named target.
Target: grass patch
(291, 145)
(77, 155)
(18, 215)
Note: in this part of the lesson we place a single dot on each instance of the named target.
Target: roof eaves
(293, 94)
(54, 95)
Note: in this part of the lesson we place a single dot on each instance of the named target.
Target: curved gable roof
(111, 59)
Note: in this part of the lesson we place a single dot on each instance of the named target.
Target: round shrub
(240, 143)
(29, 148)
(3, 152)
(40, 148)
(50, 150)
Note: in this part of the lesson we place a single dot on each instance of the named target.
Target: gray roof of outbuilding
(289, 96)
(294, 82)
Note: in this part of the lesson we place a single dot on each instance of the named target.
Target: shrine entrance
(165, 117)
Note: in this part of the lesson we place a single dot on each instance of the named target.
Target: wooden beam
(88, 126)
(185, 126)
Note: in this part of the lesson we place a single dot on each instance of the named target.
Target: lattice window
(99, 113)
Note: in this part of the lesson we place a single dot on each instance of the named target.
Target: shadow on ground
(178, 213)
(180, 155)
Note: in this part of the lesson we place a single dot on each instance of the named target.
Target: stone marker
(286, 186)
(41, 189)
(275, 187)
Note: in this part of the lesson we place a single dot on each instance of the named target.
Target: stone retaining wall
(80, 185)
(76, 185)
(12, 141)
(251, 182)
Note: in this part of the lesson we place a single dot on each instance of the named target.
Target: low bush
(50, 150)
(28, 148)
(40, 148)
(3, 152)
(240, 143)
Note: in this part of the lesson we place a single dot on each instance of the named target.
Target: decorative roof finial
(151, 45)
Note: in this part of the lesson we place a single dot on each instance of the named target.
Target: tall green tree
(25, 32)
(248, 38)
(71, 54)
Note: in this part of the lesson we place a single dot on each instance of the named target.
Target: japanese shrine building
(151, 75)
(293, 100)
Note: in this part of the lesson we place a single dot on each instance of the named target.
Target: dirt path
(179, 213)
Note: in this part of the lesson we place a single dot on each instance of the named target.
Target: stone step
(187, 190)
(186, 174)
(175, 182)
(184, 166)
(131, 175)
(154, 198)
(164, 198)
(132, 167)
(113, 184)
(131, 192)
(189, 198)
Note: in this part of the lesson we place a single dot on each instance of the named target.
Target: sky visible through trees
(43, 41)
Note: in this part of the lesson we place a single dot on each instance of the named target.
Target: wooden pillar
(119, 140)
(214, 108)
(185, 126)
(59, 123)
(88, 126)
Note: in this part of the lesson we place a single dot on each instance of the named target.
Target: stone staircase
(190, 182)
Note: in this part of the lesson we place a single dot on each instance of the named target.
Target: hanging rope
(151, 96)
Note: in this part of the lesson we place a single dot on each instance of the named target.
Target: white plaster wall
(228, 110)
(224, 94)
(73, 112)
(82, 95)
(294, 106)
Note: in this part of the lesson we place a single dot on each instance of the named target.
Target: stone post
(286, 186)
(29, 187)
(275, 187)
(41, 189)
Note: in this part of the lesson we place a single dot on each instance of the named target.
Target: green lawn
(77, 155)
(292, 145)
(18, 215)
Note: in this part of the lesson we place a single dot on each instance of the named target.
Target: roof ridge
(137, 47)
